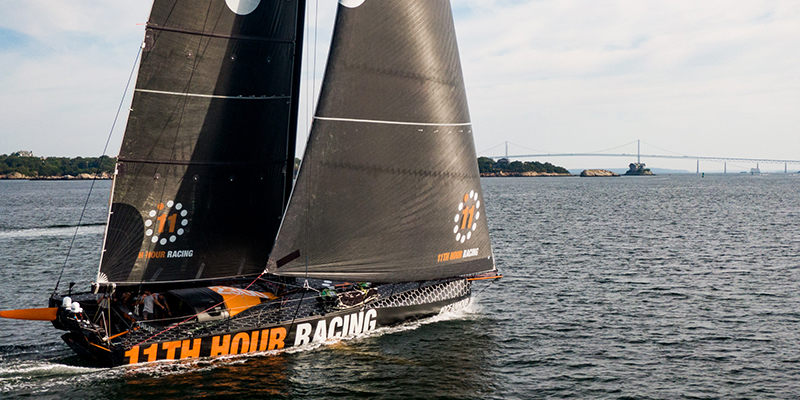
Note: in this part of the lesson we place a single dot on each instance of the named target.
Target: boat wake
(56, 230)
(27, 372)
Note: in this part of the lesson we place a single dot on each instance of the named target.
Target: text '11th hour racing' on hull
(213, 246)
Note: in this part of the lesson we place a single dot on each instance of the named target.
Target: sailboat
(207, 226)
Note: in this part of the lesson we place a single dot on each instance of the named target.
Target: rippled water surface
(620, 288)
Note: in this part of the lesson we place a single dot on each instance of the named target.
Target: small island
(638, 169)
(593, 173)
(503, 168)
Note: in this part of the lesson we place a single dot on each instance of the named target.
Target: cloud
(63, 79)
(560, 75)
(567, 74)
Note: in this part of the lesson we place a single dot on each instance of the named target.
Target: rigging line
(195, 315)
(316, 31)
(487, 286)
(105, 149)
(309, 86)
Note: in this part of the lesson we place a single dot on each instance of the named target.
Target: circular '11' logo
(164, 225)
(467, 216)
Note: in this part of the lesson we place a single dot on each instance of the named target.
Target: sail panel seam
(217, 35)
(400, 171)
(214, 96)
(372, 121)
(200, 163)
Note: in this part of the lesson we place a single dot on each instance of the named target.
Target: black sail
(389, 188)
(202, 178)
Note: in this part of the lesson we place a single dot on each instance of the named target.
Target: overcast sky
(709, 78)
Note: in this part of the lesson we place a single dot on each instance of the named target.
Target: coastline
(527, 174)
(79, 177)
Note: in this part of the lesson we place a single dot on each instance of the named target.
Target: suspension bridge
(639, 156)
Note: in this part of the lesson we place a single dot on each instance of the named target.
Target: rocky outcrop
(13, 175)
(503, 174)
(597, 173)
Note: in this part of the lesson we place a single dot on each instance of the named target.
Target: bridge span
(721, 159)
(639, 156)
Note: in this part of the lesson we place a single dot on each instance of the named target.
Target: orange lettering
(162, 219)
(174, 219)
(193, 352)
(241, 343)
(220, 350)
(264, 340)
(133, 355)
(151, 352)
(254, 342)
(276, 337)
(170, 347)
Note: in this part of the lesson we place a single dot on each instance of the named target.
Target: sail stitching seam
(372, 121)
(217, 35)
(213, 96)
(401, 171)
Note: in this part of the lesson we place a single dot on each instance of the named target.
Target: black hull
(307, 321)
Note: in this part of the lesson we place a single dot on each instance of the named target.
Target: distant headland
(503, 168)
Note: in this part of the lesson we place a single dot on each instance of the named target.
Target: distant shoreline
(527, 174)
(16, 176)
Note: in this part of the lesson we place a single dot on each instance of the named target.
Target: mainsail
(389, 188)
(206, 164)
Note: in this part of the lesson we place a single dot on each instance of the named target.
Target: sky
(705, 78)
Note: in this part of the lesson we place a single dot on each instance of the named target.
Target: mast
(291, 133)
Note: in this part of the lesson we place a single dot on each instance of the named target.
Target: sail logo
(458, 254)
(351, 3)
(166, 222)
(242, 7)
(467, 216)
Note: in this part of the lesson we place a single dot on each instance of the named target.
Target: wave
(72, 226)
(52, 369)
(53, 231)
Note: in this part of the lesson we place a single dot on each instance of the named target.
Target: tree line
(55, 166)
(486, 165)
(60, 166)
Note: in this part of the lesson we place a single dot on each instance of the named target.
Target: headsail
(389, 189)
(207, 157)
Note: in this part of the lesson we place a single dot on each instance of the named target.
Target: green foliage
(55, 166)
(486, 164)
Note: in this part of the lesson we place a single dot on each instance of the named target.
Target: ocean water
(664, 287)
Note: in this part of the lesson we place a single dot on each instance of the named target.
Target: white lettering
(356, 323)
(345, 325)
(320, 334)
(180, 253)
(303, 333)
(369, 320)
(336, 321)
(469, 253)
